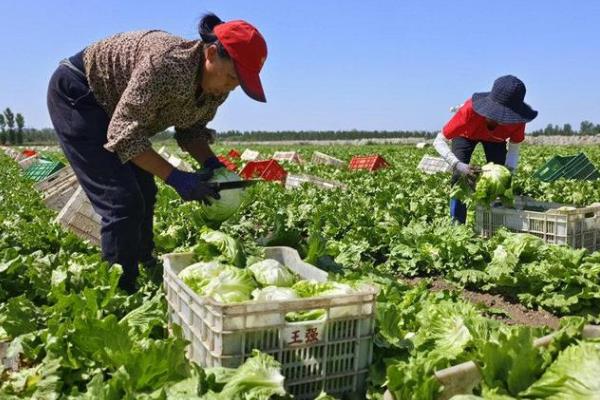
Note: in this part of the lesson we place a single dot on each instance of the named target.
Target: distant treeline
(39, 136)
(48, 136)
(11, 127)
(586, 128)
(260, 136)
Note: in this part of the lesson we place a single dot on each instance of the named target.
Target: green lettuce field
(446, 295)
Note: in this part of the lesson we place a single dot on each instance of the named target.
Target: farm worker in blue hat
(495, 119)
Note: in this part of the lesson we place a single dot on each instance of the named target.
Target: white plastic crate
(179, 163)
(58, 188)
(464, 377)
(433, 165)
(29, 161)
(578, 227)
(322, 158)
(163, 152)
(174, 160)
(57, 197)
(296, 181)
(14, 154)
(421, 145)
(287, 156)
(250, 155)
(5, 361)
(79, 217)
(331, 355)
(54, 179)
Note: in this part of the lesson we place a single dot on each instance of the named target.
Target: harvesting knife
(233, 185)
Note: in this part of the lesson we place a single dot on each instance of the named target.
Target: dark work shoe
(127, 285)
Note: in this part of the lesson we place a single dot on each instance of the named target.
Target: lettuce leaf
(574, 375)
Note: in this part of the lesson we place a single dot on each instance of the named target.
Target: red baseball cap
(248, 51)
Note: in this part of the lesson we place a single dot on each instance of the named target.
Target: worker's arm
(453, 129)
(512, 155)
(513, 147)
(197, 138)
(198, 148)
(132, 121)
(442, 146)
(150, 161)
(189, 185)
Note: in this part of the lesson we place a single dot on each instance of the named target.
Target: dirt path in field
(516, 314)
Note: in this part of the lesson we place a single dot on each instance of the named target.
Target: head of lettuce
(494, 182)
(219, 210)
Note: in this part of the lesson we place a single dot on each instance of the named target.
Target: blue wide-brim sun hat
(505, 103)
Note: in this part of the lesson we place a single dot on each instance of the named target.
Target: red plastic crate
(269, 170)
(29, 153)
(371, 163)
(233, 153)
(227, 163)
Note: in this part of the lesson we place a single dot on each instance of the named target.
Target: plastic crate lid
(42, 170)
(580, 168)
(571, 167)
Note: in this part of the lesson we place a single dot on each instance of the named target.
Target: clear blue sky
(340, 64)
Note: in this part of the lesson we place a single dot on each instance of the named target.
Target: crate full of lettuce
(320, 330)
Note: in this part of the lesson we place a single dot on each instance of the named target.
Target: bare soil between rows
(515, 313)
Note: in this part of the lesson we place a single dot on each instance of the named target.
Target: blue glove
(213, 163)
(192, 185)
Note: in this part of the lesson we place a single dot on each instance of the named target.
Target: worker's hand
(192, 185)
(469, 172)
(212, 163)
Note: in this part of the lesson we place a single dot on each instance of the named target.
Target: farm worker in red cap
(496, 119)
(109, 99)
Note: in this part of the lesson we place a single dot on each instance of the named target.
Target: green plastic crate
(41, 170)
(46, 157)
(577, 167)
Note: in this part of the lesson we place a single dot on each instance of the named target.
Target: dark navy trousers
(463, 150)
(122, 194)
